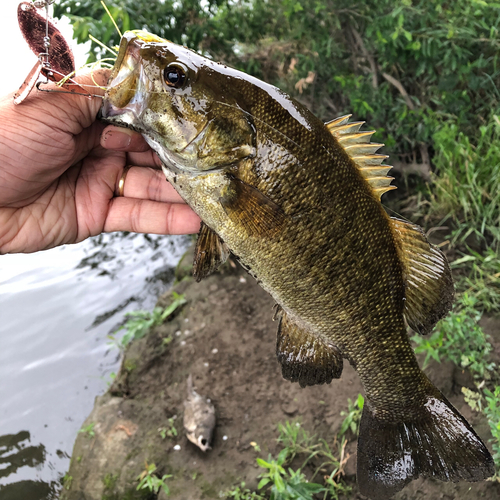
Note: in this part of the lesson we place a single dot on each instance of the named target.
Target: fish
(199, 418)
(298, 203)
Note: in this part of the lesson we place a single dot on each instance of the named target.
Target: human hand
(60, 170)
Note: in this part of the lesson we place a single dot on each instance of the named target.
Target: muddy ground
(225, 337)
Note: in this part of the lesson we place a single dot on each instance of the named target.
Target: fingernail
(114, 139)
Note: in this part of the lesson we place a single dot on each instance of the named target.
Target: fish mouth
(127, 87)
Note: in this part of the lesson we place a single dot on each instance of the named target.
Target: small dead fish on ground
(199, 418)
(297, 201)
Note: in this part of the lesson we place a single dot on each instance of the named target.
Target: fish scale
(298, 204)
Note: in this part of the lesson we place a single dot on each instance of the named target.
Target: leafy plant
(459, 338)
(352, 416)
(141, 322)
(294, 438)
(492, 412)
(481, 279)
(169, 431)
(67, 481)
(466, 187)
(88, 430)
(242, 493)
(148, 480)
(286, 485)
(487, 401)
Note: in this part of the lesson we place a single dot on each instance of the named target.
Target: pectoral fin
(210, 253)
(306, 358)
(245, 205)
(429, 290)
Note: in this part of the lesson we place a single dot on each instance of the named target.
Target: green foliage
(492, 412)
(242, 493)
(407, 67)
(466, 187)
(481, 278)
(88, 430)
(315, 453)
(352, 416)
(67, 481)
(295, 439)
(459, 338)
(488, 402)
(169, 431)
(286, 484)
(109, 481)
(142, 321)
(148, 480)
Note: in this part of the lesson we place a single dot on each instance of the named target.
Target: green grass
(459, 338)
(148, 480)
(320, 470)
(88, 430)
(140, 322)
(169, 431)
(480, 278)
(466, 187)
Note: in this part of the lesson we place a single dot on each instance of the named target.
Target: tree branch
(401, 89)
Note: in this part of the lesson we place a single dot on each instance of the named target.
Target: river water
(56, 309)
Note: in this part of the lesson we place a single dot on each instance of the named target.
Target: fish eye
(203, 441)
(174, 76)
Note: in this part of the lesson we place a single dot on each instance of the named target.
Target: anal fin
(210, 253)
(306, 358)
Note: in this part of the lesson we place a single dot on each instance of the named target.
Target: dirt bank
(225, 337)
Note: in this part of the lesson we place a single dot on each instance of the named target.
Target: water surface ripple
(56, 309)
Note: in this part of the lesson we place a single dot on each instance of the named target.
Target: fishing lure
(55, 57)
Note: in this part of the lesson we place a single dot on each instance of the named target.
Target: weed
(482, 279)
(488, 402)
(295, 439)
(241, 493)
(255, 446)
(286, 485)
(109, 481)
(460, 339)
(67, 481)
(473, 399)
(169, 431)
(148, 480)
(112, 377)
(141, 322)
(166, 341)
(492, 412)
(467, 186)
(352, 416)
(88, 430)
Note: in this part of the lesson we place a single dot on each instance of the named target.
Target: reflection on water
(56, 310)
(16, 452)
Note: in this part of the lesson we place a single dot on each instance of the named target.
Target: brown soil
(227, 343)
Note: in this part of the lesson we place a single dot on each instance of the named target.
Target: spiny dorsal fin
(429, 290)
(362, 151)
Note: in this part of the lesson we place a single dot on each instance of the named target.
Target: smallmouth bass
(297, 201)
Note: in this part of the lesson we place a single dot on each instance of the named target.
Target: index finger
(123, 139)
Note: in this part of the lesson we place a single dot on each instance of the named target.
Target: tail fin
(438, 443)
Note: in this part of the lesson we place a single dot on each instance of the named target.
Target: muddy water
(56, 309)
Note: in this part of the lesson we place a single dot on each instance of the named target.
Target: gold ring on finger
(121, 182)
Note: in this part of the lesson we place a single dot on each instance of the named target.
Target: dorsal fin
(362, 151)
